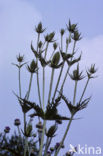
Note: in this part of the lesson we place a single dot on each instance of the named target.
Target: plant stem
(38, 74)
(24, 133)
(44, 75)
(52, 55)
(19, 81)
(68, 68)
(51, 83)
(75, 90)
(84, 90)
(26, 146)
(61, 42)
(44, 124)
(60, 74)
(31, 77)
(65, 134)
(42, 138)
(46, 146)
(19, 132)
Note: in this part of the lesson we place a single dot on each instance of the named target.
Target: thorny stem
(61, 67)
(38, 75)
(67, 69)
(44, 124)
(44, 76)
(75, 90)
(84, 90)
(64, 136)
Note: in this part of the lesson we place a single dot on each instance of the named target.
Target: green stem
(19, 81)
(46, 146)
(26, 146)
(61, 42)
(31, 77)
(25, 132)
(19, 132)
(51, 83)
(60, 74)
(52, 55)
(84, 90)
(65, 134)
(44, 124)
(42, 138)
(38, 74)
(68, 68)
(44, 76)
(75, 90)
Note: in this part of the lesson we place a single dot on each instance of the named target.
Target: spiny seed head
(39, 29)
(40, 44)
(62, 31)
(17, 122)
(76, 36)
(33, 67)
(76, 74)
(55, 45)
(92, 69)
(56, 59)
(7, 129)
(71, 27)
(20, 58)
(50, 37)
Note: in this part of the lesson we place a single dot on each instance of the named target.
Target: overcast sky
(17, 22)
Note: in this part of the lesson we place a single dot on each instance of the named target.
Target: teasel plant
(61, 58)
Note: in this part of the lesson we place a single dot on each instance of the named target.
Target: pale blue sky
(17, 22)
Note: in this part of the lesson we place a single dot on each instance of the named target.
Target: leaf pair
(74, 109)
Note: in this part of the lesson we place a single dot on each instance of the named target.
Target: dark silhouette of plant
(45, 112)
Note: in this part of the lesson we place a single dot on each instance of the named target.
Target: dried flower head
(71, 27)
(76, 36)
(17, 122)
(50, 37)
(33, 67)
(20, 58)
(76, 74)
(39, 29)
(7, 129)
(62, 31)
(91, 71)
(40, 44)
(55, 45)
